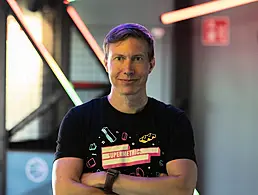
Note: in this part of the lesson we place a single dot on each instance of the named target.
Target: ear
(105, 64)
(152, 64)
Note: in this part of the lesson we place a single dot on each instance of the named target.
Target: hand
(94, 179)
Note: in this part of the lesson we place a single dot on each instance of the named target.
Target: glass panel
(24, 76)
(35, 101)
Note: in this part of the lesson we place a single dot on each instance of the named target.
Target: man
(123, 143)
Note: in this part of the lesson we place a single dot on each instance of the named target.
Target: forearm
(169, 185)
(72, 187)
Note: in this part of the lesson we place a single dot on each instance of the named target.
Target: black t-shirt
(136, 144)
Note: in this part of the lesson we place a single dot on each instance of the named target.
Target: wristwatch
(112, 175)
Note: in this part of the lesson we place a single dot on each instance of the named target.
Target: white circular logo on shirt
(36, 169)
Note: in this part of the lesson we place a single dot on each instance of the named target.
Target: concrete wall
(224, 106)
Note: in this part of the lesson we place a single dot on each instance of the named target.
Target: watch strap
(110, 179)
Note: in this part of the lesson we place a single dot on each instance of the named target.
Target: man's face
(128, 66)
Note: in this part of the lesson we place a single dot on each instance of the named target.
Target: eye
(118, 58)
(138, 58)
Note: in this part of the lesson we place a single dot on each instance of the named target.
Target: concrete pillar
(3, 134)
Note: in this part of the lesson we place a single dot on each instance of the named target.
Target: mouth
(127, 80)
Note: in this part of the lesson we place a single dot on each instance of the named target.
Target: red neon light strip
(86, 33)
(87, 85)
(202, 9)
(47, 56)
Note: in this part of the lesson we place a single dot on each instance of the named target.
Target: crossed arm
(66, 178)
(181, 180)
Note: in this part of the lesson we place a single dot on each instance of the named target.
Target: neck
(130, 104)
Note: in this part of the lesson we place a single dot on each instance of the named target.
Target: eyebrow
(139, 54)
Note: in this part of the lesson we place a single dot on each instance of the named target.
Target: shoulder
(88, 106)
(165, 109)
(80, 116)
(85, 110)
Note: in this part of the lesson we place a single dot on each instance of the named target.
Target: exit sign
(216, 31)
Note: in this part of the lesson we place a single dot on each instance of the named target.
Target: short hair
(125, 31)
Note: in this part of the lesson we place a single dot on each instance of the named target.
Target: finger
(163, 174)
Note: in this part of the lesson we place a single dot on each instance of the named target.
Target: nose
(129, 73)
(128, 68)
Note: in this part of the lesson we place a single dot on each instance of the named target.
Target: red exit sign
(215, 31)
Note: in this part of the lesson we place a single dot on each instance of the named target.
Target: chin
(128, 92)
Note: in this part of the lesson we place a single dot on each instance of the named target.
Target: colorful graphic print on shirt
(137, 155)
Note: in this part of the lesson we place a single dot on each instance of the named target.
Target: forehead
(130, 45)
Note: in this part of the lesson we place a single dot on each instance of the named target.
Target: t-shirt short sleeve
(70, 141)
(181, 140)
